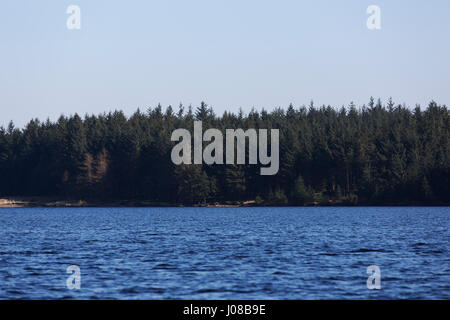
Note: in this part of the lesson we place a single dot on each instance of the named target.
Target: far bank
(54, 202)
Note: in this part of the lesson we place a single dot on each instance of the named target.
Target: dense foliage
(374, 154)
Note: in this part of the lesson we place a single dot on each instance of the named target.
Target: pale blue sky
(229, 53)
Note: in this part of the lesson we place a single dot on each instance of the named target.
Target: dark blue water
(225, 253)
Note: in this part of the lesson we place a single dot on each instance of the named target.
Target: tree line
(375, 154)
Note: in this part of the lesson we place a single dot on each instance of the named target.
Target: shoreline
(50, 202)
(43, 202)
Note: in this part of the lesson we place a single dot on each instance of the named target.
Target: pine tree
(234, 182)
(192, 184)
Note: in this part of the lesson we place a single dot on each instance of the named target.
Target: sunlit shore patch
(21, 202)
(24, 202)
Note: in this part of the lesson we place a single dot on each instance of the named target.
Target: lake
(225, 253)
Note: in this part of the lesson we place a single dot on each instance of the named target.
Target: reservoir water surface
(225, 253)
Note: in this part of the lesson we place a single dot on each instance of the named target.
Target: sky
(229, 53)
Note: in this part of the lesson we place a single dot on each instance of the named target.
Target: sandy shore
(26, 202)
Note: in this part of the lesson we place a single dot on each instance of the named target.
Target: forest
(375, 154)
